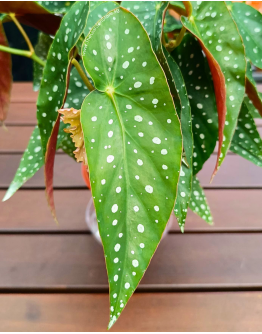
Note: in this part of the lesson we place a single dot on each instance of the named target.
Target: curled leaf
(72, 116)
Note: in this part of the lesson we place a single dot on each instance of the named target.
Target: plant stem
(175, 43)
(177, 9)
(24, 53)
(82, 75)
(28, 42)
(188, 8)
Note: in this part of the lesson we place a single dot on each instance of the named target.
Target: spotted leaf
(133, 145)
(199, 86)
(53, 85)
(251, 90)
(5, 77)
(253, 111)
(171, 23)
(60, 7)
(41, 50)
(246, 141)
(33, 14)
(198, 203)
(249, 23)
(214, 27)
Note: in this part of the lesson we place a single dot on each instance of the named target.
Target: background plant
(145, 90)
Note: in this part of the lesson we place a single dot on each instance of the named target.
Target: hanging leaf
(98, 9)
(246, 141)
(251, 89)
(30, 163)
(221, 42)
(198, 203)
(6, 76)
(252, 110)
(60, 7)
(133, 144)
(199, 86)
(32, 14)
(41, 50)
(54, 83)
(249, 23)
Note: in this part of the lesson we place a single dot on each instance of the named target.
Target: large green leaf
(251, 89)
(60, 7)
(249, 23)
(198, 203)
(41, 50)
(246, 141)
(199, 85)
(5, 77)
(54, 82)
(252, 109)
(213, 25)
(133, 144)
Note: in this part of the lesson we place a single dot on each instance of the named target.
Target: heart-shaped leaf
(133, 145)
(5, 77)
(199, 86)
(54, 83)
(249, 23)
(246, 141)
(32, 14)
(198, 203)
(41, 50)
(251, 89)
(222, 44)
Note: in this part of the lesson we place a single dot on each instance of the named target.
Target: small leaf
(30, 163)
(5, 77)
(246, 141)
(221, 42)
(32, 14)
(198, 203)
(251, 90)
(249, 23)
(41, 50)
(72, 116)
(133, 145)
(53, 86)
(199, 86)
(171, 23)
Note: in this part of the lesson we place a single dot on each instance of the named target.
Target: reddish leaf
(6, 76)
(32, 14)
(85, 174)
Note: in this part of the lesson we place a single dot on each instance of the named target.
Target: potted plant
(140, 93)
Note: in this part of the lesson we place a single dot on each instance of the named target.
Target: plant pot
(90, 215)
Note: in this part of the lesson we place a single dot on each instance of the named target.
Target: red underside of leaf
(49, 167)
(85, 175)
(220, 93)
(5, 78)
(253, 95)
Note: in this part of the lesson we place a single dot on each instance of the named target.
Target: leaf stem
(188, 8)
(82, 75)
(175, 43)
(28, 42)
(23, 53)
(177, 9)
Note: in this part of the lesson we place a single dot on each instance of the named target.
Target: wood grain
(77, 260)
(147, 312)
(28, 209)
(22, 92)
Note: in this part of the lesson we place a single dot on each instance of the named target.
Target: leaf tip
(182, 228)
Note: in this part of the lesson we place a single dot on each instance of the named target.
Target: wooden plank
(32, 212)
(23, 92)
(60, 261)
(21, 114)
(234, 172)
(147, 312)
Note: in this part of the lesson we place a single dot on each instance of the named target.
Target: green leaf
(251, 89)
(223, 47)
(198, 203)
(5, 77)
(30, 163)
(60, 7)
(199, 86)
(41, 50)
(253, 111)
(54, 82)
(133, 145)
(246, 141)
(171, 23)
(249, 23)
(31, 13)
(98, 9)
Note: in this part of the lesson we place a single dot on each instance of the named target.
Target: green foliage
(158, 106)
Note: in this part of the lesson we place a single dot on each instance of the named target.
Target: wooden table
(54, 278)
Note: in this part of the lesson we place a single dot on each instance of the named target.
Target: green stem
(188, 8)
(82, 75)
(20, 28)
(175, 43)
(23, 53)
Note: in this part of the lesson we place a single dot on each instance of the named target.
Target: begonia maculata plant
(141, 93)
